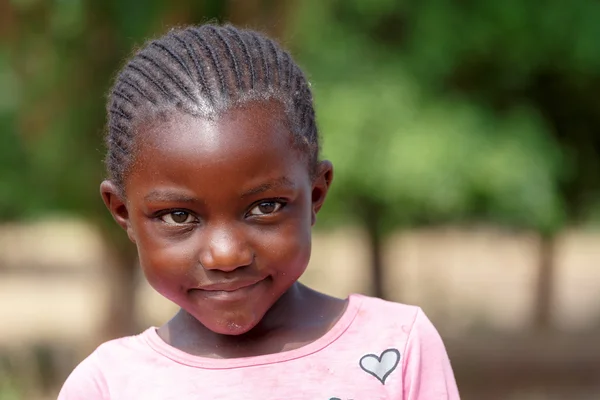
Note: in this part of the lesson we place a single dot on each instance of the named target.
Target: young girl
(214, 173)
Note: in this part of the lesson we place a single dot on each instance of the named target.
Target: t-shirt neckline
(343, 323)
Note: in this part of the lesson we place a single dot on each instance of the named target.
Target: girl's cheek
(288, 242)
(169, 274)
(171, 260)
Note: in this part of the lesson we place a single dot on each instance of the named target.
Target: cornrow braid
(236, 36)
(204, 71)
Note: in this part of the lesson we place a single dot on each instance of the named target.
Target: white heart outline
(379, 358)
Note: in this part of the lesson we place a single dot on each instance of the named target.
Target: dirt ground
(475, 285)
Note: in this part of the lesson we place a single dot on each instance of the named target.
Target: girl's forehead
(254, 136)
(256, 122)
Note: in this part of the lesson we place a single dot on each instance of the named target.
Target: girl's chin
(233, 329)
(233, 325)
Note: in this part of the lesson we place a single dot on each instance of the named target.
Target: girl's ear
(321, 185)
(117, 206)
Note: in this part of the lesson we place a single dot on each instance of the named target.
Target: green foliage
(435, 112)
(424, 161)
(54, 73)
(14, 169)
(431, 111)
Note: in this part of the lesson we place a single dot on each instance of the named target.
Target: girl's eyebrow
(279, 183)
(167, 196)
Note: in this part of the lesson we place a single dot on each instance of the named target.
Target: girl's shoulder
(398, 346)
(123, 347)
(384, 321)
(114, 357)
(382, 311)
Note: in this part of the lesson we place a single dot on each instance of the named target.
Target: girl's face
(221, 212)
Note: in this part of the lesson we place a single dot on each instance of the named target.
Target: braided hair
(204, 71)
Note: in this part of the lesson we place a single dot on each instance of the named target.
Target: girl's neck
(291, 323)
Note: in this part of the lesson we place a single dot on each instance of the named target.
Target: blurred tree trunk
(121, 319)
(372, 215)
(7, 21)
(376, 258)
(570, 107)
(545, 292)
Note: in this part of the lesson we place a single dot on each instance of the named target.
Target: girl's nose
(225, 249)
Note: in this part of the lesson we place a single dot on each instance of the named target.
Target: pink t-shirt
(377, 350)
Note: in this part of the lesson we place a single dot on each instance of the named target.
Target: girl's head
(214, 171)
(204, 72)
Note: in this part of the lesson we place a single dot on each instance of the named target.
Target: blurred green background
(441, 113)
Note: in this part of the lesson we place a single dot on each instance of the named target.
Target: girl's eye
(178, 217)
(266, 208)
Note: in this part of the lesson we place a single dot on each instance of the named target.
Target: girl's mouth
(228, 291)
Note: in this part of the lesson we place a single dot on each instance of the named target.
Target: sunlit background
(466, 141)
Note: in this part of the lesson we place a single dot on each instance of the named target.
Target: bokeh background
(466, 140)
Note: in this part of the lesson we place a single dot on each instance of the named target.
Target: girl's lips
(231, 286)
(239, 291)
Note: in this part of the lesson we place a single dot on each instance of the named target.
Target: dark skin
(221, 212)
